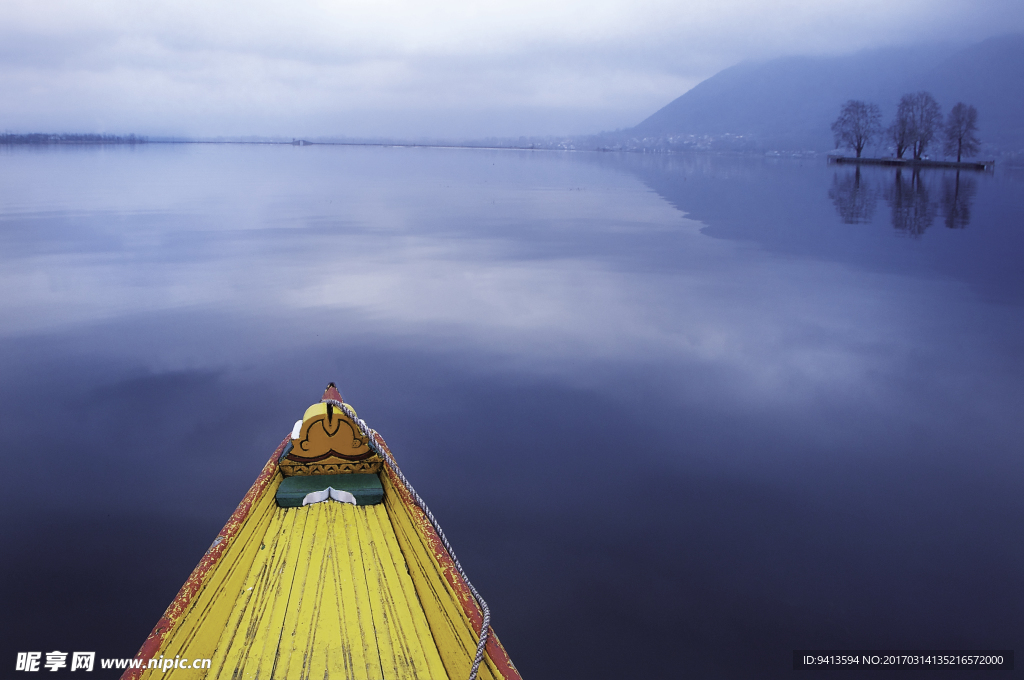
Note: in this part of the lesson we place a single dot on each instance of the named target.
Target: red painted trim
(195, 580)
(332, 393)
(494, 648)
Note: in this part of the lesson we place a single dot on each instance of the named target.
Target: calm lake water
(678, 415)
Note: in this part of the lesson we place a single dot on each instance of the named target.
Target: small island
(917, 125)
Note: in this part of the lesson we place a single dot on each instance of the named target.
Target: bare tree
(924, 118)
(960, 128)
(857, 124)
(899, 132)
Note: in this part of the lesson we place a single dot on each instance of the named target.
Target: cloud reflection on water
(424, 255)
(521, 263)
(809, 424)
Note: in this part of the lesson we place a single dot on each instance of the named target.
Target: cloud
(358, 68)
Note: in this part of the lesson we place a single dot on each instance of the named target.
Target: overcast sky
(414, 69)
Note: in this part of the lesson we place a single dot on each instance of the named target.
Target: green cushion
(365, 487)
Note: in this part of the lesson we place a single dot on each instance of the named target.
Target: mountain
(989, 75)
(790, 102)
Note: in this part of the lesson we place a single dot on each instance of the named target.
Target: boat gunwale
(197, 579)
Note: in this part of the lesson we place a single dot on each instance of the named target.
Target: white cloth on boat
(330, 493)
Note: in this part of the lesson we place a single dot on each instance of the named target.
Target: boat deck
(328, 595)
(328, 590)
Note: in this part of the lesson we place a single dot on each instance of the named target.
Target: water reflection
(909, 199)
(796, 209)
(910, 196)
(797, 435)
(957, 197)
(854, 198)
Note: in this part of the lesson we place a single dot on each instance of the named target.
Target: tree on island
(857, 124)
(920, 116)
(960, 128)
(899, 132)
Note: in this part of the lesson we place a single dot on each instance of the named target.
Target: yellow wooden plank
(403, 575)
(455, 640)
(245, 593)
(248, 647)
(355, 619)
(321, 645)
(381, 607)
(432, 592)
(451, 628)
(233, 633)
(414, 650)
(325, 640)
(197, 632)
(268, 639)
(299, 630)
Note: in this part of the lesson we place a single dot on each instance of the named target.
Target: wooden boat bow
(299, 585)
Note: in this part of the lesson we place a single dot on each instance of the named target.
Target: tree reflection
(853, 197)
(957, 198)
(909, 198)
(912, 209)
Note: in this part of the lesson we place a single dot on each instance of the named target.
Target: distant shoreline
(67, 139)
(568, 145)
(911, 163)
(45, 138)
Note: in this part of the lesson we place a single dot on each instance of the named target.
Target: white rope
(393, 466)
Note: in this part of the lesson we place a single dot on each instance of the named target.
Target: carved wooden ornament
(329, 443)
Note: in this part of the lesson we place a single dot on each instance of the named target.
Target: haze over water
(678, 415)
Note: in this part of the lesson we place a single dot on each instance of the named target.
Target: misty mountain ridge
(789, 103)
